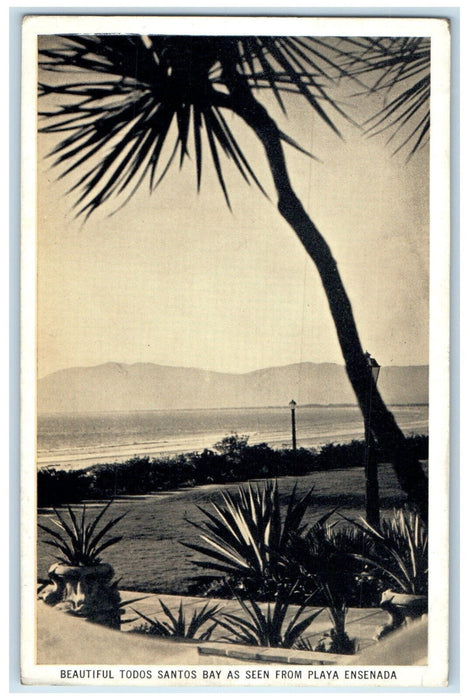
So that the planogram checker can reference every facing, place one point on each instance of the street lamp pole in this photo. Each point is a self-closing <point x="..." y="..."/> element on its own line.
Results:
<point x="371" y="466"/>
<point x="292" y="405"/>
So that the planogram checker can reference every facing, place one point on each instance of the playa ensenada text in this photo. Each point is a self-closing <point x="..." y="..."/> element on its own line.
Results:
<point x="254" y="674"/>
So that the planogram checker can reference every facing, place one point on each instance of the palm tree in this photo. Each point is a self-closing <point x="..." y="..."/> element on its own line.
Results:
<point x="120" y="95"/>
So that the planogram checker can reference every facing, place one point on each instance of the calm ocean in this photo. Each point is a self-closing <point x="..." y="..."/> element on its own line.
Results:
<point x="79" y="440"/>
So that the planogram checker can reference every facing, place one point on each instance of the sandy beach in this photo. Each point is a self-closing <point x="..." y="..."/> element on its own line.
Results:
<point x="311" y="434"/>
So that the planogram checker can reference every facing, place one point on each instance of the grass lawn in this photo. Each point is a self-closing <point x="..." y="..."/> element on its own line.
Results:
<point x="150" y="556"/>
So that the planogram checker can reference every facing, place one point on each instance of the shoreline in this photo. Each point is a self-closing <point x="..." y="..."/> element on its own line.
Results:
<point x="79" y="461"/>
<point x="211" y="409"/>
<point x="175" y="447"/>
<point x="81" y="443"/>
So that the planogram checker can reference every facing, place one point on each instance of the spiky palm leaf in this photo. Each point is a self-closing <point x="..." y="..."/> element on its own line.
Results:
<point x="399" y="69"/>
<point x="340" y="642"/>
<point x="81" y="543"/>
<point x="401" y="550"/>
<point x="247" y="535"/>
<point x="121" y="97"/>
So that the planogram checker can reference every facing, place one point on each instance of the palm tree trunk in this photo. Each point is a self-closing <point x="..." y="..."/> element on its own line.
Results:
<point x="383" y="426"/>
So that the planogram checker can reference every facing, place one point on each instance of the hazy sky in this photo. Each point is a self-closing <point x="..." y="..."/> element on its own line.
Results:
<point x="176" y="278"/>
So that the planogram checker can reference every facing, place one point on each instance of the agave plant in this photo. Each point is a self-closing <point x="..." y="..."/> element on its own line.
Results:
<point x="177" y="626"/>
<point x="81" y="542"/>
<point x="247" y="537"/>
<point x="400" y="556"/>
<point x="270" y="629"/>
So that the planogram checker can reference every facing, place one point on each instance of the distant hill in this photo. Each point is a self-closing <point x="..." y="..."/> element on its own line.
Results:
<point x="145" y="386"/>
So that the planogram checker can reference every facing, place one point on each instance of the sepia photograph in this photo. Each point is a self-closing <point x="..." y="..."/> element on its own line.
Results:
<point x="235" y="380"/>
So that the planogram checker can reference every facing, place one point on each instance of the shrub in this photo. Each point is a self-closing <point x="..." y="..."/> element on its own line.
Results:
<point x="232" y="459"/>
<point x="332" y="456"/>
<point x="211" y="467"/>
<point x="295" y="462"/>
<point x="232" y="445"/>
<point x="130" y="477"/>
<point x="56" y="487"/>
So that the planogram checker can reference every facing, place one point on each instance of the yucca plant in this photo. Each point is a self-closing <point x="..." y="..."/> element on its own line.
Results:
<point x="269" y="629"/>
<point x="400" y="556"/>
<point x="179" y="626"/>
<point x="81" y="542"/>
<point x="247" y="537"/>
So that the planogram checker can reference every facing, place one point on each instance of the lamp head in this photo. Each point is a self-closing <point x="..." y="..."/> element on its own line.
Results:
<point x="373" y="365"/>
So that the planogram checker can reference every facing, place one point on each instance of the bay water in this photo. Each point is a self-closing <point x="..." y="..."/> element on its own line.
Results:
<point x="74" y="440"/>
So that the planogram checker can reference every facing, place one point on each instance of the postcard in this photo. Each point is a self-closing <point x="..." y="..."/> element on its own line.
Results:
<point x="235" y="340"/>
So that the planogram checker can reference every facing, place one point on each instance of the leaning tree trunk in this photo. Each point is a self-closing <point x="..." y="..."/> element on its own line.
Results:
<point x="383" y="426"/>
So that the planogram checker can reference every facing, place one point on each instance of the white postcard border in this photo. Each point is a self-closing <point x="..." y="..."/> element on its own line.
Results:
<point x="436" y="672"/>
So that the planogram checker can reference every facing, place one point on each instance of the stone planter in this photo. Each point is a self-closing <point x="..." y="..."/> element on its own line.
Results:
<point x="84" y="591"/>
<point x="402" y="607"/>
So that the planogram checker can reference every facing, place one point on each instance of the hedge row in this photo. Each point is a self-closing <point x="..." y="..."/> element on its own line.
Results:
<point x="232" y="459"/>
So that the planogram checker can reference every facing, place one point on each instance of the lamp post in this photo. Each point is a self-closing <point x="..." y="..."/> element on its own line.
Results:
<point x="292" y="405"/>
<point x="371" y="466"/>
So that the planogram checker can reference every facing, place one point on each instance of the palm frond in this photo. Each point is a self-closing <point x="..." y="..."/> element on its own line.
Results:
<point x="297" y="626"/>
<point x="118" y="98"/>
<point x="130" y="93"/>
<point x="118" y="95"/>
<point x="399" y="69"/>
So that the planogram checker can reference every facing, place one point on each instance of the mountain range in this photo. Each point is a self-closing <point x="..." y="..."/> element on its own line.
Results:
<point x="145" y="386"/>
